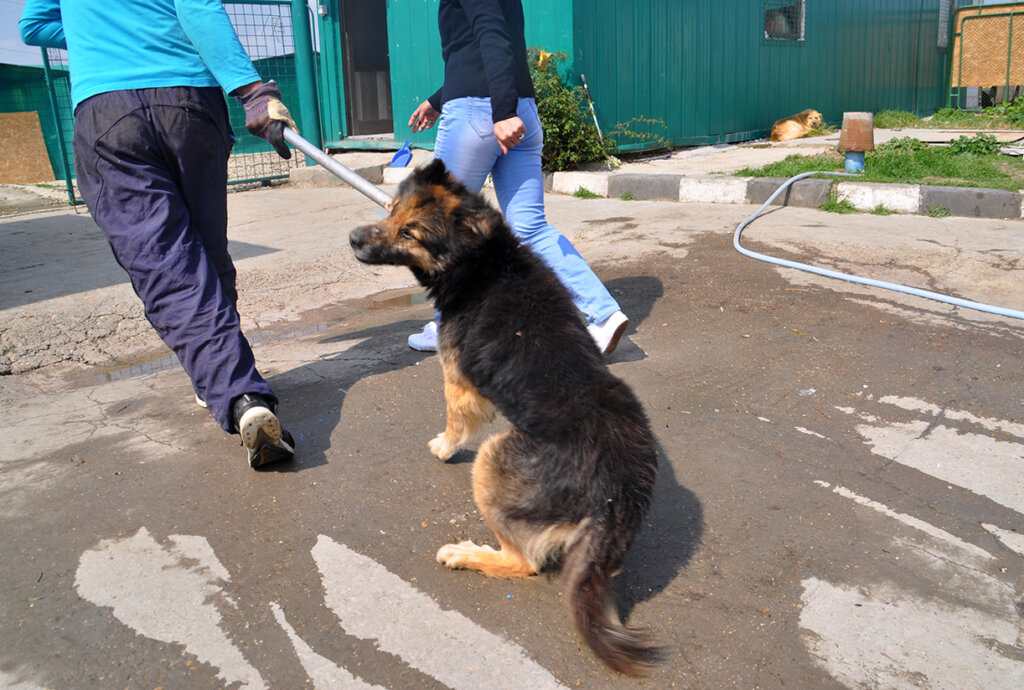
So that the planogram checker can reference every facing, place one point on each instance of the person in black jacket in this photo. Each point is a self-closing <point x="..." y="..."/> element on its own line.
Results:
<point x="489" y="125"/>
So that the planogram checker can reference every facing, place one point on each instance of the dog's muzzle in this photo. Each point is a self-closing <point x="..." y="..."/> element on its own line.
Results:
<point x="360" y="241"/>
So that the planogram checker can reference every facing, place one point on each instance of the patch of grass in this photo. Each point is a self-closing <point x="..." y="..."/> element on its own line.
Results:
<point x="881" y="210"/>
<point x="837" y="205"/>
<point x="938" y="212"/>
<point x="968" y="162"/>
<point x="821" y="131"/>
<point x="627" y="196"/>
<point x="896" y="119"/>
<point x="584" y="193"/>
<point x="1002" y="116"/>
<point x="795" y="164"/>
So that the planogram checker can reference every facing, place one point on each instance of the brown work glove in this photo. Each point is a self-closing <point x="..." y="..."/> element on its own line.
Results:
<point x="266" y="116"/>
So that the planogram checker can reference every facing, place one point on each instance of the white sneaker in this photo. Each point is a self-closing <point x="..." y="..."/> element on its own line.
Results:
<point x="425" y="341"/>
<point x="200" y="402"/>
<point x="607" y="333"/>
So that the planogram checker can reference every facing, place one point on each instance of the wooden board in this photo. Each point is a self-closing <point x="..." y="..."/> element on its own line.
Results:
<point x="25" y="159"/>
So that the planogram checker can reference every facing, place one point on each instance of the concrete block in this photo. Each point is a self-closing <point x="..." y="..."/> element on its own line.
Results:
<point x="316" y="176"/>
<point x="866" y="196"/>
<point x="569" y="182"/>
<point x="972" y="203"/>
<point x="664" y="187"/>
<point x="809" y="193"/>
<point x="722" y="190"/>
<point x="396" y="175"/>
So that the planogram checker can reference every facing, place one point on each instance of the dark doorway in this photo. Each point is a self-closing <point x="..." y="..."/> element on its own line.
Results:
<point x="367" y="67"/>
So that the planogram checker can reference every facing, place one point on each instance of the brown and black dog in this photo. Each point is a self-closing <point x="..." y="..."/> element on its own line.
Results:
<point x="574" y="477"/>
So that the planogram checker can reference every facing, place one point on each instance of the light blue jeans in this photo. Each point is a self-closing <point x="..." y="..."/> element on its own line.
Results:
<point x="465" y="142"/>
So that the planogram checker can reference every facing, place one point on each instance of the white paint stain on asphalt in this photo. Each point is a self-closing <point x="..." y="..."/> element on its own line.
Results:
<point x="1011" y="540"/>
<point x="171" y="593"/>
<point x="926" y="527"/>
<point x="990" y="423"/>
<point x="965" y="630"/>
<point x="325" y="674"/>
<point x="373" y="603"/>
<point x="167" y="594"/>
<point x="883" y="637"/>
<point x="984" y="465"/>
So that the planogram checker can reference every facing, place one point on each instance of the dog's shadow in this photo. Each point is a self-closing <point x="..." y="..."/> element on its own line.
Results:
<point x="674" y="526"/>
<point x="671" y="534"/>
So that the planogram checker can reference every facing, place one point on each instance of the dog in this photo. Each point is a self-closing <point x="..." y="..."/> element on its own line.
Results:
<point x="573" y="478"/>
<point x="795" y="126"/>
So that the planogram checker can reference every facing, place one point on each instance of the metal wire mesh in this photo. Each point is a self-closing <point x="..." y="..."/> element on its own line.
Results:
<point x="989" y="47"/>
<point x="265" y="29"/>
<point x="784" y="20"/>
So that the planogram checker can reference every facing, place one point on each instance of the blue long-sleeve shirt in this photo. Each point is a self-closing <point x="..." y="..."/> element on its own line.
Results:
<point x="137" y="44"/>
<point x="484" y="49"/>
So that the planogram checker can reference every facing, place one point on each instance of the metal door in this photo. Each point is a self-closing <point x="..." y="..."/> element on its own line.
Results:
<point x="366" y="66"/>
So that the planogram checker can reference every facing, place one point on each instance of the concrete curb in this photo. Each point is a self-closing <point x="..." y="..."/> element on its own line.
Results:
<point x="966" y="202"/>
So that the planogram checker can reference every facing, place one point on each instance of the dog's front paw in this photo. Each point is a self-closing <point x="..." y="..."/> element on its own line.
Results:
<point x="457" y="556"/>
<point x="440" y="447"/>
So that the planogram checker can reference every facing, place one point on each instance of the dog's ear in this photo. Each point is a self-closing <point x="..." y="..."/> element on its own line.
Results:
<point x="434" y="172"/>
<point x="477" y="216"/>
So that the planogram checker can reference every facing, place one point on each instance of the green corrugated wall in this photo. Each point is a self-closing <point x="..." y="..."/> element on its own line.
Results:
<point x="416" y="66"/>
<point x="705" y="69"/>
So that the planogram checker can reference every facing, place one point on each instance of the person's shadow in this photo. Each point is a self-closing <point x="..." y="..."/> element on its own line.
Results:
<point x="312" y="396"/>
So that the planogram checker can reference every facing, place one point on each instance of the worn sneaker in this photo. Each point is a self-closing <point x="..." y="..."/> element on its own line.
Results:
<point x="425" y="341"/>
<point x="200" y="402"/>
<point x="607" y="333"/>
<point x="261" y="432"/>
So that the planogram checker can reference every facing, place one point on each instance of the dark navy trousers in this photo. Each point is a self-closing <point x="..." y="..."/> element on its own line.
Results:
<point x="152" y="168"/>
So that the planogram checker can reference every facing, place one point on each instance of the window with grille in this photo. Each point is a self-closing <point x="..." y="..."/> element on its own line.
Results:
<point x="784" y="20"/>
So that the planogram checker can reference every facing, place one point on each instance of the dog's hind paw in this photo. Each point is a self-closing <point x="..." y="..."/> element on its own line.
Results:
<point x="456" y="556"/>
<point x="440" y="447"/>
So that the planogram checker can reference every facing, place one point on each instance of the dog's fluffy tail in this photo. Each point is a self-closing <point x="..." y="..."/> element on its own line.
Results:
<point x="587" y="569"/>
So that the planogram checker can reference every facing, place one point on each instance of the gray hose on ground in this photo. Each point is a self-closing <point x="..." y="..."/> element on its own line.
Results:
<point x="956" y="301"/>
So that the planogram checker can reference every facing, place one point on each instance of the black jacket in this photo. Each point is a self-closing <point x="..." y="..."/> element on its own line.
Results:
<point x="484" y="51"/>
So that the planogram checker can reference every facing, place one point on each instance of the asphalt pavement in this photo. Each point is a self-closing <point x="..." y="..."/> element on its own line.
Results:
<point x="840" y="500"/>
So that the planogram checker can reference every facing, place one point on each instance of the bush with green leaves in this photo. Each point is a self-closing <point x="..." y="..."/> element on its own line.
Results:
<point x="570" y="138"/>
<point x="978" y="145"/>
<point x="1012" y="111"/>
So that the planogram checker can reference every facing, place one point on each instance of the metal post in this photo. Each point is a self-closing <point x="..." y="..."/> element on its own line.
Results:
<point x="60" y="130"/>
<point x="305" y="73"/>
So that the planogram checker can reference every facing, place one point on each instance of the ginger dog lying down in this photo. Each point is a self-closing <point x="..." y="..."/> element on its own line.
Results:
<point x="574" y="477"/>
<point x="795" y="126"/>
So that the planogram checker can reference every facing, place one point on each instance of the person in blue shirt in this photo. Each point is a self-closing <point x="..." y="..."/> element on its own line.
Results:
<point x="151" y="145"/>
<point x="489" y="125"/>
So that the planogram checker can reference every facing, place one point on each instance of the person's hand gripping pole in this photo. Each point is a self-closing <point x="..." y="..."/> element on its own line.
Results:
<point x="266" y="115"/>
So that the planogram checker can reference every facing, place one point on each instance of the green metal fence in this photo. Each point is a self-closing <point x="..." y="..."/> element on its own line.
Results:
<point x="265" y="28"/>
